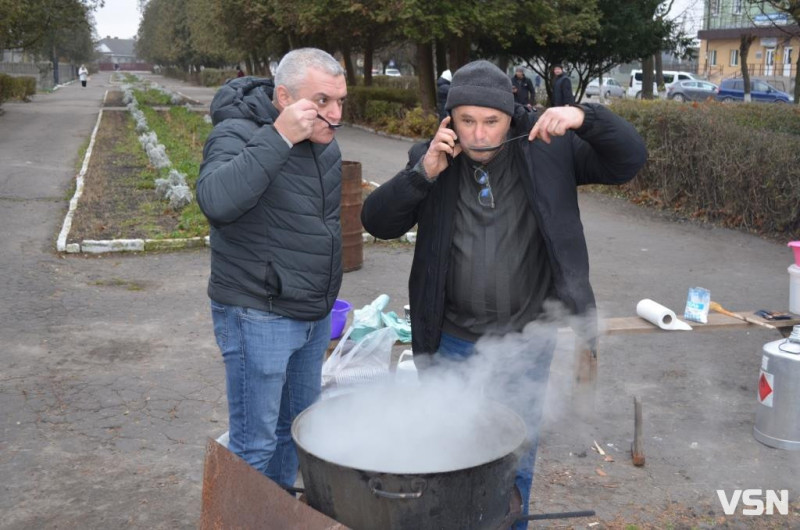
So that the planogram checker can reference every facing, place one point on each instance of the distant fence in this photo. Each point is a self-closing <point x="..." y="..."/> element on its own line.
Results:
<point x="126" y="67"/>
<point x="43" y="72"/>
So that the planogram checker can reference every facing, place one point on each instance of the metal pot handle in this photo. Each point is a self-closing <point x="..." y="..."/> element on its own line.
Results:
<point x="417" y="484"/>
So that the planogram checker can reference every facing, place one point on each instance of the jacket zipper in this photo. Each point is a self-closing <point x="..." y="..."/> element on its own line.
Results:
<point x="325" y="224"/>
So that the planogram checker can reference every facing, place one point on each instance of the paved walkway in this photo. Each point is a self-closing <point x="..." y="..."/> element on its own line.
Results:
<point x="111" y="381"/>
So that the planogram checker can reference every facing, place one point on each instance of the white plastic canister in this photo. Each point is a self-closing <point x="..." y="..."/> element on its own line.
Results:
<point x="406" y="369"/>
<point x="794" y="289"/>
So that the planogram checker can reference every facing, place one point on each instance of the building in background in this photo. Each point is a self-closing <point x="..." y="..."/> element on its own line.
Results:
<point x="118" y="54"/>
<point x="772" y="55"/>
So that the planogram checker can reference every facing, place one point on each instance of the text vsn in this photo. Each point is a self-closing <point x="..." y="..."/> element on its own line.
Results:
<point x="752" y="499"/>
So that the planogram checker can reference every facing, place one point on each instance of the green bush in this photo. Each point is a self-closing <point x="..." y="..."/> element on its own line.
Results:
<point x="355" y="107"/>
<point x="405" y="82"/>
<point x="379" y="112"/>
<point x="215" y="76"/>
<point x="415" y="123"/>
<point x="733" y="164"/>
<point x="21" y="88"/>
<point x="151" y="97"/>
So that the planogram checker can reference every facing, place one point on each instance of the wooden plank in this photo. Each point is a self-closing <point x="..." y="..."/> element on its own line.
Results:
<point x="716" y="321"/>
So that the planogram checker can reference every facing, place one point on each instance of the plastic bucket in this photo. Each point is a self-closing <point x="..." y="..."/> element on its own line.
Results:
<point x="795" y="245"/>
<point x="339" y="317"/>
<point x="794" y="289"/>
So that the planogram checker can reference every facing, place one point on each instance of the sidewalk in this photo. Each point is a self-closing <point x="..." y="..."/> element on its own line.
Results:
<point x="111" y="379"/>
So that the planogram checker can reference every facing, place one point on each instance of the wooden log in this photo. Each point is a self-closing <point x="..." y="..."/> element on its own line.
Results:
<point x="637" y="447"/>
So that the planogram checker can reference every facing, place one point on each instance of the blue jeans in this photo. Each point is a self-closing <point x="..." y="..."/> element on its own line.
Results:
<point x="511" y="387"/>
<point x="273" y="371"/>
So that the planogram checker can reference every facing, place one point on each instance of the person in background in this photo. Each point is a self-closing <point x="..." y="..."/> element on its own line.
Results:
<point x="522" y="88"/>
<point x="442" y="88"/>
<point x="474" y="198"/>
<point x="270" y="186"/>
<point x="562" y="88"/>
<point x="239" y="72"/>
<point x="83" y="75"/>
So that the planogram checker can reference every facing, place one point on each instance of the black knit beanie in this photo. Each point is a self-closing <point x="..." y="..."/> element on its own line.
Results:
<point x="482" y="84"/>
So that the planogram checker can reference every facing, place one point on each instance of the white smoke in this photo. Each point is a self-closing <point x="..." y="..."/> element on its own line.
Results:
<point x="462" y="414"/>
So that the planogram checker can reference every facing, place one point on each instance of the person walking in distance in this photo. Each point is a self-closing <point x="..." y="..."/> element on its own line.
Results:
<point x="442" y="88"/>
<point x="270" y="186"/>
<point x="562" y="88"/>
<point x="83" y="75"/>
<point x="523" y="90"/>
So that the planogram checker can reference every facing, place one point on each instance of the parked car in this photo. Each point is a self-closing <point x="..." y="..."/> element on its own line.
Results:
<point x="670" y="77"/>
<point x="692" y="90"/>
<point x="760" y="91"/>
<point x="611" y="88"/>
<point x="393" y="72"/>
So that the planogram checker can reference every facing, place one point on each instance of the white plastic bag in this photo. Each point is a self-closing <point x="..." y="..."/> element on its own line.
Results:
<point x="367" y="361"/>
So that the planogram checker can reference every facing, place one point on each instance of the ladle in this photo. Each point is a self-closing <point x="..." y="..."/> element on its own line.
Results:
<point x="498" y="146"/>
<point x="330" y="125"/>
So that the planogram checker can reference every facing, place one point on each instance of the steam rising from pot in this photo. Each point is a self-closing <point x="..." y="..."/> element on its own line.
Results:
<point x="463" y="414"/>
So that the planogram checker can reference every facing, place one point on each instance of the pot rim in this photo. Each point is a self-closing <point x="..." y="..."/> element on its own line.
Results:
<point x="518" y="446"/>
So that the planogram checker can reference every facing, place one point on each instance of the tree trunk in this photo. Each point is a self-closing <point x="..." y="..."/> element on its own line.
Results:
<point x="349" y="67"/>
<point x="744" y="50"/>
<point x="647" y="77"/>
<point x="55" y="67"/>
<point x="502" y="63"/>
<point x="458" y="52"/>
<point x="427" y="84"/>
<point x="660" y="73"/>
<point x="441" y="57"/>
<point x="797" y="82"/>
<point x="369" y="49"/>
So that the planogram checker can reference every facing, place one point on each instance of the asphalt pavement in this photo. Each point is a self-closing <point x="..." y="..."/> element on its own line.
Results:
<point x="111" y="380"/>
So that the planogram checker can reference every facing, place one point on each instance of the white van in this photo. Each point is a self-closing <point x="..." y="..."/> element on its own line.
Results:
<point x="670" y="77"/>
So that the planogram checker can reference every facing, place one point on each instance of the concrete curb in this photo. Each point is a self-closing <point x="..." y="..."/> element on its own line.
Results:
<point x="61" y="242"/>
<point x="92" y="246"/>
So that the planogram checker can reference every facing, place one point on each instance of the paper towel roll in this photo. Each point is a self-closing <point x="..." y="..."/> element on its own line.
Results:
<point x="659" y="315"/>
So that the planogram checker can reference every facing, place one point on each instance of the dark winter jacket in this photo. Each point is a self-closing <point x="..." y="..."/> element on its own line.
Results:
<point x="525" y="93"/>
<point x="562" y="91"/>
<point x="442" y="88"/>
<point x="273" y="210"/>
<point x="606" y="149"/>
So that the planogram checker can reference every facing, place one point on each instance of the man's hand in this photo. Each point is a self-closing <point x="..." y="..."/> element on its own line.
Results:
<point x="296" y="122"/>
<point x="556" y="121"/>
<point x="443" y="144"/>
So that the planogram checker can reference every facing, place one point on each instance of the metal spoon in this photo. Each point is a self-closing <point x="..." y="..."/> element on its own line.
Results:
<point x="330" y="125"/>
<point x="498" y="146"/>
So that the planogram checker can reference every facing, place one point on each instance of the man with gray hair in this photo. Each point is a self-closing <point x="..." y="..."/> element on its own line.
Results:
<point x="270" y="186"/>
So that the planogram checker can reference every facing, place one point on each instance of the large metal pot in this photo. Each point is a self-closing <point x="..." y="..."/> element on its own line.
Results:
<point x="380" y="492"/>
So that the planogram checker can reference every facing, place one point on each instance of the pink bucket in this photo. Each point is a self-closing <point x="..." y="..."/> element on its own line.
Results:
<point x="796" y="248"/>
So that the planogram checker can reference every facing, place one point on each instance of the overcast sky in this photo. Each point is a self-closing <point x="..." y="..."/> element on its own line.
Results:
<point x="691" y="11"/>
<point x="119" y="18"/>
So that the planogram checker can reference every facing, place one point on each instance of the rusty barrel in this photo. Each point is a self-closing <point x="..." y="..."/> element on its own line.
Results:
<point x="352" y="242"/>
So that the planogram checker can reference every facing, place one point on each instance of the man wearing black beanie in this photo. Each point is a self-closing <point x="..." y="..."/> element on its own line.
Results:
<point x="499" y="235"/>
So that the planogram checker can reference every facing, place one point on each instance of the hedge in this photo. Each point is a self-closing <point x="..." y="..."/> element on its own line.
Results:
<point x="212" y="77"/>
<point x="732" y="164"/>
<point x="21" y="88"/>
<point x="357" y="110"/>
